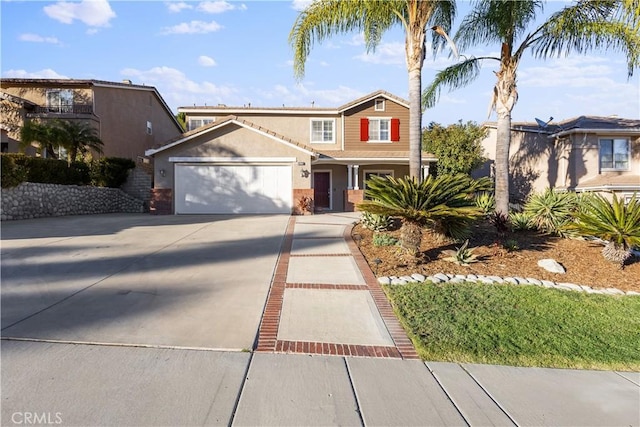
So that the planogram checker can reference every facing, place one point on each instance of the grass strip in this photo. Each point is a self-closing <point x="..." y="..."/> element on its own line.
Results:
<point x="520" y="325"/>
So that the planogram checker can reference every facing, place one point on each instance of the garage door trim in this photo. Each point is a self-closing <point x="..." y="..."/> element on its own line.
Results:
<point x="232" y="159"/>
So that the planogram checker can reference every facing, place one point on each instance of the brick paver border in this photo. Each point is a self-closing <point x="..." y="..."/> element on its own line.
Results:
<point x="268" y="331"/>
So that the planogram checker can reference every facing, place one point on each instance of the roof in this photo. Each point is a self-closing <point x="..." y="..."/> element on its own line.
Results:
<point x="608" y="181"/>
<point x="327" y="155"/>
<point x="225" y="121"/>
<point x="581" y="124"/>
<point x="126" y="84"/>
<point x="224" y="109"/>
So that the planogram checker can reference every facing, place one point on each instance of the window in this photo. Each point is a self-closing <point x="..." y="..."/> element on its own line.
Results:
<point x="149" y="128"/>
<point x="5" y="147"/>
<point x="60" y="101"/>
<point x="322" y="131"/>
<point x="614" y="154"/>
<point x="201" y="121"/>
<point x="377" y="129"/>
<point x="379" y="105"/>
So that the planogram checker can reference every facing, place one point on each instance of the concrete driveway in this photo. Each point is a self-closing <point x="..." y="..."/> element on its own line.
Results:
<point x="177" y="281"/>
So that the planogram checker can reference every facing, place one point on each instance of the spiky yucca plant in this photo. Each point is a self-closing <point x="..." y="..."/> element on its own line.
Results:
<point x="520" y="221"/>
<point x="462" y="255"/>
<point x="551" y="211"/>
<point x="375" y="222"/>
<point x="613" y="221"/>
<point x="444" y="203"/>
<point x="486" y="202"/>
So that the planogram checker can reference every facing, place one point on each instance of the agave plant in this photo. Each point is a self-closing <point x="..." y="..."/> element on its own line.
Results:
<point x="520" y="221"/>
<point x="444" y="203"/>
<point x="462" y="255"/>
<point x="375" y="222"/>
<point x="551" y="211"/>
<point x="612" y="221"/>
<point x="486" y="201"/>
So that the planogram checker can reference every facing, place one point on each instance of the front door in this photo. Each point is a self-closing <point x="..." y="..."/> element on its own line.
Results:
<point x="322" y="190"/>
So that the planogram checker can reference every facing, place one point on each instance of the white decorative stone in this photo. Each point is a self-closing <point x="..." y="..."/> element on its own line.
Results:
<point x="442" y="277"/>
<point x="460" y="276"/>
<point x="408" y="279"/>
<point x="486" y="280"/>
<point x="511" y="280"/>
<point x="456" y="280"/>
<point x="496" y="279"/>
<point x="614" y="291"/>
<point x="633" y="293"/>
<point x="521" y="280"/>
<point x="571" y="286"/>
<point x="419" y="277"/>
<point x="551" y="265"/>
<point x="472" y="277"/>
<point x="434" y="280"/>
<point x="398" y="282"/>
<point x="548" y="284"/>
<point x="384" y="280"/>
<point x="533" y="281"/>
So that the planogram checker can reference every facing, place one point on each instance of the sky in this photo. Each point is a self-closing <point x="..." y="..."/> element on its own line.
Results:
<point x="237" y="53"/>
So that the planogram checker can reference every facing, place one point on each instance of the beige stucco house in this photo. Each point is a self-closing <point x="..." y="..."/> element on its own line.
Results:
<point x="587" y="153"/>
<point x="129" y="118"/>
<point x="266" y="160"/>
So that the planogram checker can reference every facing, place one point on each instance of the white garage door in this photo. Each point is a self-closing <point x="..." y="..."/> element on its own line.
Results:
<point x="242" y="189"/>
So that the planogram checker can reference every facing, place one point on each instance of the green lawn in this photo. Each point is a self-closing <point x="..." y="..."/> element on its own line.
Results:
<point x="520" y="325"/>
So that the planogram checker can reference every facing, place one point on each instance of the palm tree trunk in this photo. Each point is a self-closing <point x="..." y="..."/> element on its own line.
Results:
<point x="415" y="124"/>
<point x="505" y="99"/>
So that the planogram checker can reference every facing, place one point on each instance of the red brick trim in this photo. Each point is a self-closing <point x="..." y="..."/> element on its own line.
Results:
<point x="333" y="349"/>
<point x="326" y="286"/>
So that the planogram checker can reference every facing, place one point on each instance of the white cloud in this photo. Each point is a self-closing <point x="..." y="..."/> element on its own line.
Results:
<point x="300" y="5"/>
<point x="216" y="6"/>
<point x="301" y="95"/>
<point x="30" y="37"/>
<point x="47" y="73"/>
<point x="177" y="89"/>
<point x="567" y="72"/>
<point x="176" y="7"/>
<point x="386" y="53"/>
<point x="206" y="61"/>
<point x="193" y="27"/>
<point x="94" y="13"/>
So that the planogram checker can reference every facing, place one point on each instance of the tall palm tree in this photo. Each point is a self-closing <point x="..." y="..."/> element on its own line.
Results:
<point x="324" y="18"/>
<point x="581" y="27"/>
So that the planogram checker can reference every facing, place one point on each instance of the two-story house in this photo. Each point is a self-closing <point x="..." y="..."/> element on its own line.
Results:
<point x="265" y="160"/>
<point x="587" y="153"/>
<point x="129" y="118"/>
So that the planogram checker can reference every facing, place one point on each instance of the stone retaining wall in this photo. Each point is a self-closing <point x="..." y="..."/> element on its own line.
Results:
<point x="32" y="200"/>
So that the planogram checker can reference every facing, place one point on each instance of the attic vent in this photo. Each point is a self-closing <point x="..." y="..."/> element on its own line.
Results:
<point x="126" y="81"/>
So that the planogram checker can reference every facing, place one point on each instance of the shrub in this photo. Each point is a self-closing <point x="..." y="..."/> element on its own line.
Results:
<point x="486" y="202"/>
<point x="12" y="173"/>
<point x="500" y="221"/>
<point x="551" y="211"/>
<point x="614" y="222"/>
<point x="462" y="255"/>
<point x="376" y="222"/>
<point x="520" y="221"/>
<point x="111" y="171"/>
<point x="382" y="239"/>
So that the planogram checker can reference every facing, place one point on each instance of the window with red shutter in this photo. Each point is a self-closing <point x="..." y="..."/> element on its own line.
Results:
<point x="364" y="129"/>
<point x="395" y="130"/>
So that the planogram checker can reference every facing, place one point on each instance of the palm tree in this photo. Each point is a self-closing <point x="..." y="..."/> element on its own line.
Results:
<point x="44" y="136"/>
<point x="324" y="18"/>
<point x="445" y="203"/>
<point x="612" y="221"/>
<point x="77" y="137"/>
<point x="584" y="26"/>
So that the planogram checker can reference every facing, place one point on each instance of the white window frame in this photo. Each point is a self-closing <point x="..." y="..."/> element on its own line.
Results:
<point x="333" y="130"/>
<point x="379" y="104"/>
<point x="149" y="128"/>
<point x="379" y="172"/>
<point x="379" y="120"/>
<point x="202" y="120"/>
<point x="628" y="197"/>
<point x="614" y="168"/>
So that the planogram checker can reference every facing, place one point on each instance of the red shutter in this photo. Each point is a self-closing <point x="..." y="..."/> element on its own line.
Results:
<point x="395" y="130"/>
<point x="364" y="129"/>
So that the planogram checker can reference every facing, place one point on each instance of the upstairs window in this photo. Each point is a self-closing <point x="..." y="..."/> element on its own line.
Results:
<point x="60" y="101"/>
<point x="376" y="129"/>
<point x="200" y="121"/>
<point x="379" y="105"/>
<point x="614" y="154"/>
<point x="322" y="131"/>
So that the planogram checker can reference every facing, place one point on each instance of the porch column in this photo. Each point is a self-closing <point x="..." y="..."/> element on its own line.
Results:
<point x="349" y="177"/>
<point x="355" y="177"/>
<point x="425" y="171"/>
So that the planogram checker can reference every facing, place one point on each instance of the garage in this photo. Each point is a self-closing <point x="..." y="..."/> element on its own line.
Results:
<point x="233" y="189"/>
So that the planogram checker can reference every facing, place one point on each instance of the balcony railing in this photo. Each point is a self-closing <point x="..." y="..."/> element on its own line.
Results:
<point x="64" y="109"/>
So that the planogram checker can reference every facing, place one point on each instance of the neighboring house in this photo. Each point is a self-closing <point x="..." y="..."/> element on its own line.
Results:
<point x="266" y="160"/>
<point x="600" y="154"/>
<point x="129" y="118"/>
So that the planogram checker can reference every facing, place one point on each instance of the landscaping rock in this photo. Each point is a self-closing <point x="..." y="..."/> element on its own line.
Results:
<point x="534" y="281"/>
<point x="408" y="279"/>
<point x="442" y="277"/>
<point x="419" y="277"/>
<point x="551" y="265"/>
<point x="384" y="280"/>
<point x="398" y="281"/>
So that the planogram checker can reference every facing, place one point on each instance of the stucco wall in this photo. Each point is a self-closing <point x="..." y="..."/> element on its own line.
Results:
<point x="31" y="200"/>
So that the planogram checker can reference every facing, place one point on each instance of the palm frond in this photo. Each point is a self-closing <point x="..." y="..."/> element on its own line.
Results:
<point x="453" y="77"/>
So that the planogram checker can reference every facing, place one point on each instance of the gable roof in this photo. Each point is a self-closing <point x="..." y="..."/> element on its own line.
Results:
<point x="224" y="109"/>
<point x="226" y="121"/>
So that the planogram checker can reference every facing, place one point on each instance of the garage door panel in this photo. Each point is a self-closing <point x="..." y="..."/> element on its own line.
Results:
<point x="233" y="189"/>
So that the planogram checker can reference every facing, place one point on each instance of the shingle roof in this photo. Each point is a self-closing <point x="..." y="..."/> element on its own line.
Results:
<point x="338" y="154"/>
<point x="611" y="180"/>
<point x="577" y="123"/>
